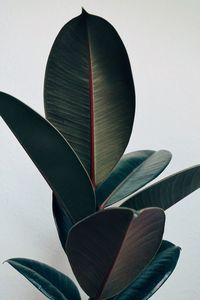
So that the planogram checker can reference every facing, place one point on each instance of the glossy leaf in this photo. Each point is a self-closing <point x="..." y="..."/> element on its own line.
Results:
<point x="154" y="275"/>
<point x="52" y="283"/>
<point x="52" y="155"/>
<point x="89" y="92"/>
<point x="124" y="167"/>
<point x="167" y="191"/>
<point x="62" y="220"/>
<point x="144" y="173"/>
<point x="109" y="249"/>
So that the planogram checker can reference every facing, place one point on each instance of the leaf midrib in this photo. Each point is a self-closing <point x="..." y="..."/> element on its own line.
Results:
<point x="91" y="94"/>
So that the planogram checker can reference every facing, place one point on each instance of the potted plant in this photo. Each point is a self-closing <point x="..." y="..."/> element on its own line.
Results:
<point x="115" y="252"/>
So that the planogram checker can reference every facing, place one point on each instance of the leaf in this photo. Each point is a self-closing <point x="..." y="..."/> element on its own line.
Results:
<point x="144" y="173"/>
<point x="124" y="167"/>
<point x="52" y="155"/>
<point x="109" y="249"/>
<point x="52" y="283"/>
<point x="62" y="221"/>
<point x="154" y="275"/>
<point x="167" y="191"/>
<point x="89" y="93"/>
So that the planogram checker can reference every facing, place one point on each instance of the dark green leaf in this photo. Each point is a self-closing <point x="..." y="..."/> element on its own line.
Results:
<point x="167" y="191"/>
<point x="154" y="275"/>
<point x="144" y="173"/>
<point x="89" y="92"/>
<point x="124" y="167"/>
<point x="62" y="220"/>
<point x="109" y="249"/>
<point x="52" y="283"/>
<point x="53" y="156"/>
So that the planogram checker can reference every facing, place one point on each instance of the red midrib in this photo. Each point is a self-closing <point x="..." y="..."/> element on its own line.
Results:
<point x="92" y="150"/>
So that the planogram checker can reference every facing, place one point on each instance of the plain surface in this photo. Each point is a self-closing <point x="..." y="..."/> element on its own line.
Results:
<point x="162" y="40"/>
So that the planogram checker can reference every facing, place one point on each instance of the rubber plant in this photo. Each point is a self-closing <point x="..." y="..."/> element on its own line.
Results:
<point x="115" y="252"/>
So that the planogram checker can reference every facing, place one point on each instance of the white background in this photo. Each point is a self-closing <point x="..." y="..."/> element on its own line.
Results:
<point x="163" y="42"/>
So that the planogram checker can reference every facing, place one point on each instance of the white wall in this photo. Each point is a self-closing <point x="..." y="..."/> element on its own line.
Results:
<point x="162" y="39"/>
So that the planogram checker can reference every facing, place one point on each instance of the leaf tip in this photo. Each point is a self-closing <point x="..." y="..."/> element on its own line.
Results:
<point x="167" y="153"/>
<point x="84" y="12"/>
<point x="6" y="261"/>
